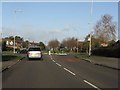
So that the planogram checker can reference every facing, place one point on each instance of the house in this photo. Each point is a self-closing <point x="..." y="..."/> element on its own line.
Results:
<point x="104" y="44"/>
<point x="10" y="43"/>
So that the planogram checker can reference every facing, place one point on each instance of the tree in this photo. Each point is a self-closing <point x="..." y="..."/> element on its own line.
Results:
<point x="70" y="43"/>
<point x="42" y="45"/>
<point x="105" y="29"/>
<point x="18" y="39"/>
<point x="11" y="38"/>
<point x="54" y="44"/>
<point x="62" y="47"/>
<point x="86" y="43"/>
<point x="25" y="44"/>
<point x="4" y="48"/>
<point x="111" y="43"/>
<point x="95" y="42"/>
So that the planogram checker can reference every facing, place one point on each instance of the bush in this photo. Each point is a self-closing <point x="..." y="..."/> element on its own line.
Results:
<point x="9" y="49"/>
<point x="107" y="52"/>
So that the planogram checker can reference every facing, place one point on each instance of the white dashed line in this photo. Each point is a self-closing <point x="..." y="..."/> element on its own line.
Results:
<point x="53" y="60"/>
<point x="51" y="57"/>
<point x="91" y="84"/>
<point x="69" y="71"/>
<point x="58" y="64"/>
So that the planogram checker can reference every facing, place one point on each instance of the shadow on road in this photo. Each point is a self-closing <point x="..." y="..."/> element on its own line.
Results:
<point x="34" y="59"/>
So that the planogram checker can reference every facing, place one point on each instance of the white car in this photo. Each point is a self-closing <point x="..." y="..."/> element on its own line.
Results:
<point x="34" y="52"/>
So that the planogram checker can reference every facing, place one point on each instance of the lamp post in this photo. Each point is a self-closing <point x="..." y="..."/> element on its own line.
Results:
<point x="15" y="11"/>
<point x="90" y="43"/>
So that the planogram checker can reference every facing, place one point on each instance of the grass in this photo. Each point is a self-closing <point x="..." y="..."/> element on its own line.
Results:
<point x="8" y="55"/>
<point x="80" y="55"/>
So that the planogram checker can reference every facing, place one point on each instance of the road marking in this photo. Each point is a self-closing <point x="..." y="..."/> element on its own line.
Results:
<point x="69" y="71"/>
<point x="51" y="57"/>
<point x="53" y="60"/>
<point x="58" y="64"/>
<point x="91" y="84"/>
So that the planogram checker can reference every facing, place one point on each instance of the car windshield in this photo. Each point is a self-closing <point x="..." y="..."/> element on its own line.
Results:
<point x="34" y="49"/>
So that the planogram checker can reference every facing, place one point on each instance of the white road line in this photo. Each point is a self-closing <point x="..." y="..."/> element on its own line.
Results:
<point x="53" y="60"/>
<point x="69" y="71"/>
<point x="58" y="64"/>
<point x="91" y="84"/>
<point x="51" y="57"/>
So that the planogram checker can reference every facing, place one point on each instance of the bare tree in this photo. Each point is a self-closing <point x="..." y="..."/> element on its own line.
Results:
<point x="53" y="44"/>
<point x="70" y="43"/>
<point x="105" y="29"/>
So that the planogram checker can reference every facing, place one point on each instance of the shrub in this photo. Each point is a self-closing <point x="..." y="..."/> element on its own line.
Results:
<point x="107" y="52"/>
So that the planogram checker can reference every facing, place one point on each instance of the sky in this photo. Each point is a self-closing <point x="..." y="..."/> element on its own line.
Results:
<point x="119" y="21"/>
<point x="44" y="21"/>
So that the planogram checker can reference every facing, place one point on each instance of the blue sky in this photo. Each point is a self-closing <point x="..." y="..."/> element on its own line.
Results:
<point x="43" y="21"/>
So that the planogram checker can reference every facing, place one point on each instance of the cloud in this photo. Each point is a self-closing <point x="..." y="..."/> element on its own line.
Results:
<point x="69" y="28"/>
<point x="37" y="34"/>
<point x="56" y="31"/>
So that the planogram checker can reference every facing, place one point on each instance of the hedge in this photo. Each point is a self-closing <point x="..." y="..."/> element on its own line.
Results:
<point x="107" y="52"/>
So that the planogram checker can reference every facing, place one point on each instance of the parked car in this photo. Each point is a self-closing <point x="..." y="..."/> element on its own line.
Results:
<point x="34" y="53"/>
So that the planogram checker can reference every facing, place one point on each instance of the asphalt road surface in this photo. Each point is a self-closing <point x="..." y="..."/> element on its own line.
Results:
<point x="59" y="72"/>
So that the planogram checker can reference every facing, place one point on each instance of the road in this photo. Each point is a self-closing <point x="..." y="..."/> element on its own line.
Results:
<point x="59" y="72"/>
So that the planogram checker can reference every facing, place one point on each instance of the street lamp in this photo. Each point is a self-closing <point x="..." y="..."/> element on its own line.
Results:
<point x="90" y="27"/>
<point x="15" y="11"/>
<point x="90" y="43"/>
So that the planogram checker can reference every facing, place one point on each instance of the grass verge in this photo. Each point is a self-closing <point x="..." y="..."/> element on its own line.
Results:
<point x="80" y="55"/>
<point x="7" y="56"/>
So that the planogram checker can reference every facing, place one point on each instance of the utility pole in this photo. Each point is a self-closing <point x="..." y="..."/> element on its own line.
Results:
<point x="15" y="11"/>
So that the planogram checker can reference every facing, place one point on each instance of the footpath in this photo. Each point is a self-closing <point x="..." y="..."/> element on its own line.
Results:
<point x="104" y="61"/>
<point x="109" y="62"/>
<point x="6" y="63"/>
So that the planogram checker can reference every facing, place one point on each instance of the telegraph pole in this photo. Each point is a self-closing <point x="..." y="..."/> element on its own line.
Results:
<point x="15" y="11"/>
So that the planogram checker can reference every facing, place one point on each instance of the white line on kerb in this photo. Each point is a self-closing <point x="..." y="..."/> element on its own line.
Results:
<point x="53" y="60"/>
<point x="58" y="64"/>
<point x="91" y="84"/>
<point x="69" y="71"/>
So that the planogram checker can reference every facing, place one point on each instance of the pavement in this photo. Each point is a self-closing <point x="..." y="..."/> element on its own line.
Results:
<point x="104" y="61"/>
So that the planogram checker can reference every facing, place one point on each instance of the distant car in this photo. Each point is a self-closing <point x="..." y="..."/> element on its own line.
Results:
<point x="34" y="53"/>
